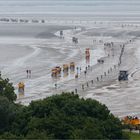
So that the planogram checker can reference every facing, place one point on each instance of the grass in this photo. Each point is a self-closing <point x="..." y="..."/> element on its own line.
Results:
<point x="133" y="136"/>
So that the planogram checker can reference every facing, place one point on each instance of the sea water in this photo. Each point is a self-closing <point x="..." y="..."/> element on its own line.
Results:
<point x="118" y="10"/>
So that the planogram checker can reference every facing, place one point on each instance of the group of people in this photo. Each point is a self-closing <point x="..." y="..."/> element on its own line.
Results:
<point x="109" y="44"/>
<point x="79" y="69"/>
<point x="86" y="69"/>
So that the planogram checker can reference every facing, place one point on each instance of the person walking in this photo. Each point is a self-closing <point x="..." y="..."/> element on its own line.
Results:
<point x="85" y="72"/>
<point x="30" y="73"/>
<point x="27" y="73"/>
<point x="83" y="87"/>
<point x="76" y="90"/>
<point x="55" y="85"/>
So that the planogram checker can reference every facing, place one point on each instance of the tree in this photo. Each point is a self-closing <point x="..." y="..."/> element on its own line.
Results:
<point x="7" y="114"/>
<point x="67" y="116"/>
<point x="64" y="116"/>
<point x="7" y="90"/>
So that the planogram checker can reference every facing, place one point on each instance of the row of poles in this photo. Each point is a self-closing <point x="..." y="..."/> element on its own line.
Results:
<point x="98" y="78"/>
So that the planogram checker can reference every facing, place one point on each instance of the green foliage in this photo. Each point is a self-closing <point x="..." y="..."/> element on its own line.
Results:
<point x="67" y="116"/>
<point x="64" y="116"/>
<point x="7" y="90"/>
<point x="132" y="136"/>
<point x="7" y="113"/>
<point x="8" y="135"/>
